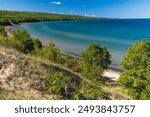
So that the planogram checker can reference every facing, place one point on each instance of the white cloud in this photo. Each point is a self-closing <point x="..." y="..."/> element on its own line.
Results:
<point x="89" y="15"/>
<point x="53" y="12"/>
<point x="55" y="2"/>
<point x="71" y="12"/>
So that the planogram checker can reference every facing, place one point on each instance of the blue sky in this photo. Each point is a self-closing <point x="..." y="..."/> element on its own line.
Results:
<point x="95" y="8"/>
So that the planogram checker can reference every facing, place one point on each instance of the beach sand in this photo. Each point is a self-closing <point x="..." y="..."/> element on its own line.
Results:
<point x="111" y="75"/>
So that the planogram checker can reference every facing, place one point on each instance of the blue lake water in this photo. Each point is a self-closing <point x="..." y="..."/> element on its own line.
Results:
<point x="74" y="36"/>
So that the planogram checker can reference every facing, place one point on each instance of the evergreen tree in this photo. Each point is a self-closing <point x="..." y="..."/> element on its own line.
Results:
<point x="136" y="78"/>
<point x="23" y="37"/>
<point x="94" y="60"/>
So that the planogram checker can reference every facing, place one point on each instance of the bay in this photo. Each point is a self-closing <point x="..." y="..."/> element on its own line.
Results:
<point x="74" y="36"/>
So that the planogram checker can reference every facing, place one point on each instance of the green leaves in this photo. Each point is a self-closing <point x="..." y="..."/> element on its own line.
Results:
<point x="137" y="56"/>
<point x="136" y="78"/>
<point x="94" y="60"/>
<point x="96" y="55"/>
<point x="23" y="37"/>
<point x="55" y="83"/>
<point x="92" y="91"/>
<point x="51" y="52"/>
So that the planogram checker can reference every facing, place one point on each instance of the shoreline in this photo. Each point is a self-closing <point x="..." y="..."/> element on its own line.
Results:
<point x="112" y="73"/>
<point x="7" y="30"/>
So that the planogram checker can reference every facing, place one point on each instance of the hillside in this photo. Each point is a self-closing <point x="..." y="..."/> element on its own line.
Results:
<point x="23" y="77"/>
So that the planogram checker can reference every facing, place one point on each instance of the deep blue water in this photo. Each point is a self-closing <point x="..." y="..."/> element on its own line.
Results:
<point x="74" y="36"/>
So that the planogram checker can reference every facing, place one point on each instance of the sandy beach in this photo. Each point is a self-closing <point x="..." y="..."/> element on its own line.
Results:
<point x="113" y="73"/>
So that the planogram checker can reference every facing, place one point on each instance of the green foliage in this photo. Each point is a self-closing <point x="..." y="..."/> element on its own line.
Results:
<point x="18" y="17"/>
<point x="136" y="78"/>
<point x="10" y="43"/>
<point x="51" y="52"/>
<point x="56" y="83"/>
<point x="137" y="56"/>
<point x="23" y="37"/>
<point x="71" y="63"/>
<point x="37" y="48"/>
<point x="2" y="32"/>
<point x="94" y="60"/>
<point x="92" y="91"/>
<point x="15" y="17"/>
<point x="37" y="44"/>
<point x="21" y="41"/>
<point x="60" y="84"/>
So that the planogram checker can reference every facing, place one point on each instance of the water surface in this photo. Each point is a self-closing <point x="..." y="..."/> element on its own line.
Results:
<point x="74" y="36"/>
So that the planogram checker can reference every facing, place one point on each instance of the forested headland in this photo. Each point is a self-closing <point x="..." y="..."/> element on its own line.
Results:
<point x="15" y="17"/>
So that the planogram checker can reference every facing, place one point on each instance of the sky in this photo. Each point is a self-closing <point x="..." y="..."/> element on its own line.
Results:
<point x="93" y="8"/>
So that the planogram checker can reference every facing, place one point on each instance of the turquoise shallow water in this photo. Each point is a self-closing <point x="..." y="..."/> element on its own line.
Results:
<point x="74" y="36"/>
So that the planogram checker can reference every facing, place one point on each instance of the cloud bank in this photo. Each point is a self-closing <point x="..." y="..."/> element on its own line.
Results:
<point x="55" y="3"/>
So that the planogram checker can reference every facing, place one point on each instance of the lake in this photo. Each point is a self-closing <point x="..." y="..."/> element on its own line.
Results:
<point x="74" y="36"/>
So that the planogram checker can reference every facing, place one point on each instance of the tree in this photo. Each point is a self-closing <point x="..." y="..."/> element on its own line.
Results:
<point x="94" y="60"/>
<point x="37" y="44"/>
<point x="137" y="56"/>
<point x="51" y="52"/>
<point x="23" y="37"/>
<point x="136" y="63"/>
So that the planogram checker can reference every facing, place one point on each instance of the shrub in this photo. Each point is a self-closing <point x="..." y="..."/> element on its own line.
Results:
<point x="51" y="52"/>
<point x="94" y="60"/>
<point x="23" y="37"/>
<point x="37" y="44"/>
<point x="92" y="91"/>
<point x="136" y="78"/>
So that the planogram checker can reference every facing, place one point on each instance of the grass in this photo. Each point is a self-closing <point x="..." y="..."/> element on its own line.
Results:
<point x="114" y="91"/>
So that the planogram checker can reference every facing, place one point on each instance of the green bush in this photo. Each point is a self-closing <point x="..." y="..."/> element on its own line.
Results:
<point x="55" y="83"/>
<point x="23" y="37"/>
<point x="71" y="63"/>
<point x="37" y="44"/>
<point x="136" y="78"/>
<point x="92" y="91"/>
<point x="10" y="43"/>
<point x="94" y="60"/>
<point x="51" y="52"/>
<point x="2" y="32"/>
<point x="58" y="83"/>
